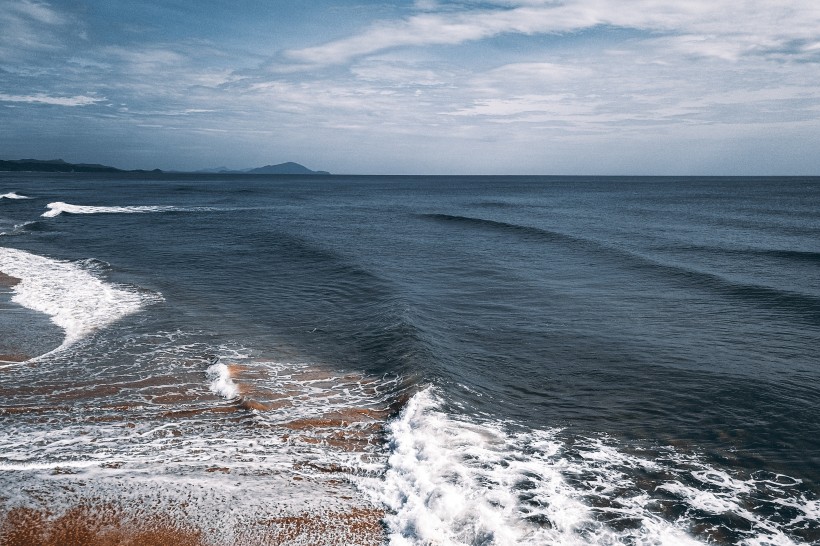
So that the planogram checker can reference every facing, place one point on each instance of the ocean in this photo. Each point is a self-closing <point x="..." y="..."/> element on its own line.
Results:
<point x="240" y="360"/>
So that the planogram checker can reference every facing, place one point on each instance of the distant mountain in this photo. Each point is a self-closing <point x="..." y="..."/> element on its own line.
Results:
<point x="284" y="168"/>
<point x="58" y="166"/>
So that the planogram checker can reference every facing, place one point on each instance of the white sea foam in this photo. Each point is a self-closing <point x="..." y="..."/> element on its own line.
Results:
<point x="76" y="300"/>
<point x="237" y="476"/>
<point x="13" y="195"/>
<point x="7" y="467"/>
<point x="59" y="207"/>
<point x="221" y="382"/>
<point x="452" y="481"/>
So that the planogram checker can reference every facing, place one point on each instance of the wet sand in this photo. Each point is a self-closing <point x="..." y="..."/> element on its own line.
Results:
<point x="7" y="281"/>
<point x="319" y="505"/>
<point x="91" y="526"/>
<point x="110" y="525"/>
<point x="14" y="357"/>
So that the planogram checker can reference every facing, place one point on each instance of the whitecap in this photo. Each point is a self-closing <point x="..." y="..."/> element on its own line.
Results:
<point x="452" y="482"/>
<point x="58" y="207"/>
<point x="13" y="195"/>
<point x="221" y="382"/>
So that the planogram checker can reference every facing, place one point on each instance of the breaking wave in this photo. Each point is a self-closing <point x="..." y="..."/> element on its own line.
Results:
<point x="58" y="207"/>
<point x="76" y="300"/>
<point x="13" y="195"/>
<point x="452" y="481"/>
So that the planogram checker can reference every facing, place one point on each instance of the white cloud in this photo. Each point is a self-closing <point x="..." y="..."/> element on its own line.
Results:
<point x="401" y="74"/>
<point x="718" y="27"/>
<point x="597" y="94"/>
<point x="40" y="98"/>
<point x="37" y="11"/>
<point x="693" y="71"/>
<point x="28" y="26"/>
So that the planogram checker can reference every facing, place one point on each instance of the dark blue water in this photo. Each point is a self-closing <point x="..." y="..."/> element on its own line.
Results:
<point x="669" y="321"/>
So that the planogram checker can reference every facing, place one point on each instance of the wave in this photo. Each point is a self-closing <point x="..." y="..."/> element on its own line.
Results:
<point x="781" y="254"/>
<point x="76" y="300"/>
<point x="796" y="303"/>
<point x="26" y="227"/>
<point x="452" y="481"/>
<point x="13" y="195"/>
<point x="221" y="382"/>
<point x="506" y="226"/>
<point x="290" y="394"/>
<point x="805" y="256"/>
<point x="58" y="207"/>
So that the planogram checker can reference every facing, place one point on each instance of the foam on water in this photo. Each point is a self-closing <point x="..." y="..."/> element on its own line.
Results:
<point x="59" y="207"/>
<point x="221" y="383"/>
<point x="453" y="481"/>
<point x="76" y="300"/>
<point x="13" y="195"/>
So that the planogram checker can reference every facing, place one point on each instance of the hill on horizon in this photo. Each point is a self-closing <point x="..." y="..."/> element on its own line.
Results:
<point x="58" y="166"/>
<point x="288" y="167"/>
<point x="62" y="166"/>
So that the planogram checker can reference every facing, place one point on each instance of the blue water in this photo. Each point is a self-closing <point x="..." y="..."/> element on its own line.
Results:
<point x="660" y="334"/>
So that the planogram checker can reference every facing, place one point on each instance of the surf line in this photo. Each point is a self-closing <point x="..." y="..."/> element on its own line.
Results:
<point x="58" y="207"/>
<point x="13" y="195"/>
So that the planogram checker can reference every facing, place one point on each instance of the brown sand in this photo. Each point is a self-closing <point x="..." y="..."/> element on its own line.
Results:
<point x="92" y="526"/>
<point x="358" y="526"/>
<point x="14" y="357"/>
<point x="107" y="525"/>
<point x="7" y="281"/>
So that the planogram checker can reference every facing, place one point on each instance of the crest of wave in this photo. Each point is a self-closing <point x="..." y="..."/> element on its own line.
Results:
<point x="58" y="207"/>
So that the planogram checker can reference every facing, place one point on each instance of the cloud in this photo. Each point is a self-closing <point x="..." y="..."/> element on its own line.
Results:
<point x="28" y="26"/>
<point x="715" y="28"/>
<point x="40" y="98"/>
<point x="37" y="11"/>
<point x="631" y="92"/>
<point x="402" y="74"/>
<point x="517" y="76"/>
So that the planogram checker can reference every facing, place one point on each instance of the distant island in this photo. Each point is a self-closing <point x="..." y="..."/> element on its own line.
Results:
<point x="61" y="166"/>
<point x="282" y="168"/>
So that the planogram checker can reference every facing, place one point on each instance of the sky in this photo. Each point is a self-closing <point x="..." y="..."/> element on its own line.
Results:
<point x="610" y="87"/>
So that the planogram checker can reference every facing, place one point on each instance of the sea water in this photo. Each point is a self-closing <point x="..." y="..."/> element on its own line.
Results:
<point x="409" y="360"/>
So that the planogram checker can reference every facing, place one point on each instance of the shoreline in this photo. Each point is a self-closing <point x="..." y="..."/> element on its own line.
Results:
<point x="292" y="481"/>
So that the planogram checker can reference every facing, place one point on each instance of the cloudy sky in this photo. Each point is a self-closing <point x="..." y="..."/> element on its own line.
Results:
<point x="360" y="86"/>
